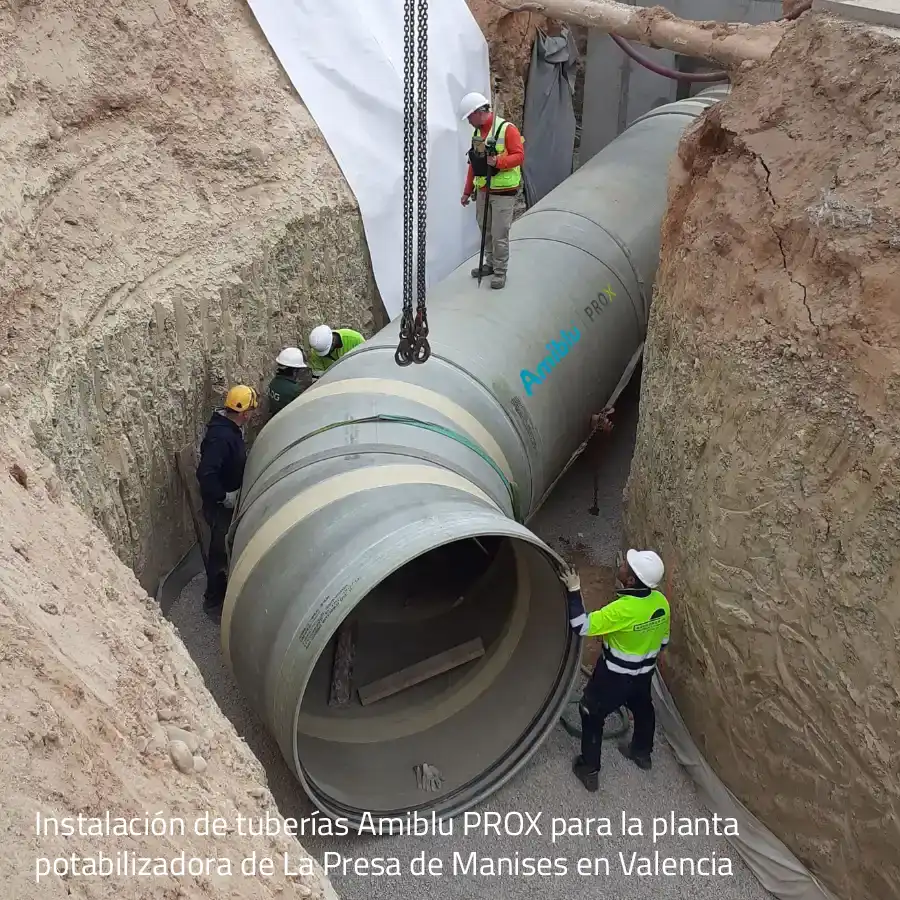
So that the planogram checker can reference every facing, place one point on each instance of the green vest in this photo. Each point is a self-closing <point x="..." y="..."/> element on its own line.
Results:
<point x="349" y="340"/>
<point x="505" y="179"/>
<point x="634" y="631"/>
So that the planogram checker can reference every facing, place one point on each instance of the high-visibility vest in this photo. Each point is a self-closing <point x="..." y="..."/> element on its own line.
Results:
<point x="505" y="179"/>
<point x="634" y="631"/>
<point x="349" y="340"/>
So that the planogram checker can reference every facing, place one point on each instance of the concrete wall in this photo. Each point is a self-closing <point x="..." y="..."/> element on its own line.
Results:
<point x="618" y="90"/>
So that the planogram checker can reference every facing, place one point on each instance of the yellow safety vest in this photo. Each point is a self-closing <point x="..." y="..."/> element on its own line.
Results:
<point x="634" y="630"/>
<point x="505" y="179"/>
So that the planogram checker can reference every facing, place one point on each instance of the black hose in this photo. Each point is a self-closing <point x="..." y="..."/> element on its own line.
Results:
<point x="610" y="732"/>
<point x="689" y="77"/>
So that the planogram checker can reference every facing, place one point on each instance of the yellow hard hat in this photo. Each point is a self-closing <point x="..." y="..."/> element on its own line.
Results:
<point x="241" y="398"/>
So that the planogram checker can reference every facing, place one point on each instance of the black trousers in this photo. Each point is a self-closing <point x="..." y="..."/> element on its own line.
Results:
<point x="605" y="692"/>
<point x="219" y="520"/>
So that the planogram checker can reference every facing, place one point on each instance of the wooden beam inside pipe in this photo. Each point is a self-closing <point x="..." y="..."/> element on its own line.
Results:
<point x="421" y="671"/>
<point x="342" y="668"/>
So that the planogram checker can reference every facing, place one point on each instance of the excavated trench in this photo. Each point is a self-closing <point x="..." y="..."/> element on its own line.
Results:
<point x="350" y="491"/>
<point x="463" y="447"/>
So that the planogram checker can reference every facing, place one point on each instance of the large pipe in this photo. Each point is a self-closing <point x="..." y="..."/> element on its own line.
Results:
<point x="395" y="498"/>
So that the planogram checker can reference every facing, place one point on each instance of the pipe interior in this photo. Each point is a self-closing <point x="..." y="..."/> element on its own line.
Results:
<point x="471" y="722"/>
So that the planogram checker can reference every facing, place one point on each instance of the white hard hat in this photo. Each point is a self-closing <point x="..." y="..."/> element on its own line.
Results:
<point x="647" y="566"/>
<point x="291" y="358"/>
<point x="321" y="339"/>
<point x="470" y="103"/>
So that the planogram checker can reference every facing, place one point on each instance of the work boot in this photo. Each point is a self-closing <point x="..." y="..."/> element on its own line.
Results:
<point x="483" y="272"/>
<point x="498" y="281"/>
<point x="590" y="778"/>
<point x="642" y="762"/>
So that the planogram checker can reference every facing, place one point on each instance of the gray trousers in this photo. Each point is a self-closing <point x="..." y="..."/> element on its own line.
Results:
<point x="499" y="221"/>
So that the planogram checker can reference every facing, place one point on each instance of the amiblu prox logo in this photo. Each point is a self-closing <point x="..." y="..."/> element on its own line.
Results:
<point x="558" y="350"/>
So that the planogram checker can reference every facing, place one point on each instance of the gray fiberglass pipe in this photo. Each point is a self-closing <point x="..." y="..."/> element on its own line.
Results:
<point x="394" y="498"/>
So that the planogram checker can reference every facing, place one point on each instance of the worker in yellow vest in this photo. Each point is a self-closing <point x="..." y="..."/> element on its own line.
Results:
<point x="498" y="148"/>
<point x="328" y="345"/>
<point x="635" y="629"/>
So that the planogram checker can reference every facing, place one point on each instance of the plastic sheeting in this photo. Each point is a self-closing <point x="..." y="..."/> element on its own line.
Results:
<point x="773" y="864"/>
<point x="549" y="117"/>
<point x="345" y="58"/>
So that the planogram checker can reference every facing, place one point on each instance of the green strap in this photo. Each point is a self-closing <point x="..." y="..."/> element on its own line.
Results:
<point x="511" y="487"/>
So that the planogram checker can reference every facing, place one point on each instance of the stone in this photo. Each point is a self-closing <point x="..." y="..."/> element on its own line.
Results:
<point x="190" y="740"/>
<point x="181" y="757"/>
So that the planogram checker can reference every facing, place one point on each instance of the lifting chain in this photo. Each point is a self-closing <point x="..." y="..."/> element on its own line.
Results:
<point x="413" y="345"/>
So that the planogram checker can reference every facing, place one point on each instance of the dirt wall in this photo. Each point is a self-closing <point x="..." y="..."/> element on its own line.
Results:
<point x="102" y="710"/>
<point x="766" y="467"/>
<point x="171" y="219"/>
<point x="510" y="37"/>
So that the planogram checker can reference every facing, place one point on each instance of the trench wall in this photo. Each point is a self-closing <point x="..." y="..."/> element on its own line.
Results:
<point x="172" y="218"/>
<point x="766" y="469"/>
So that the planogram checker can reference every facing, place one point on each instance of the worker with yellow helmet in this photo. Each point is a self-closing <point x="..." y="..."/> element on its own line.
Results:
<point x="635" y="630"/>
<point x="223" y="454"/>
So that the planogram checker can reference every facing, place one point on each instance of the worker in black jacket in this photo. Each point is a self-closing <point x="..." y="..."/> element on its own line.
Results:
<point x="220" y="472"/>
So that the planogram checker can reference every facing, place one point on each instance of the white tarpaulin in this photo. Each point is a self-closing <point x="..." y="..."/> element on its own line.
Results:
<point x="345" y="58"/>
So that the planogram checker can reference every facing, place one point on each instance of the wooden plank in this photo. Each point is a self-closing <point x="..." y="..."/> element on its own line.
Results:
<point x="421" y="671"/>
<point x="342" y="668"/>
<point x="186" y="464"/>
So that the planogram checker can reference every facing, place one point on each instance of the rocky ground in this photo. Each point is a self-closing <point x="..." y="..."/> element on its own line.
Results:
<point x="767" y="461"/>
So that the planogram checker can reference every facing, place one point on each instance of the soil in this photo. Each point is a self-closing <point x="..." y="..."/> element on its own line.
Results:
<point x="170" y="218"/>
<point x="767" y="468"/>
<point x="103" y="710"/>
<point x="510" y="38"/>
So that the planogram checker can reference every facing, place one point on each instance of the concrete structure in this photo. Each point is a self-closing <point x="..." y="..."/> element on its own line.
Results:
<point x="617" y="90"/>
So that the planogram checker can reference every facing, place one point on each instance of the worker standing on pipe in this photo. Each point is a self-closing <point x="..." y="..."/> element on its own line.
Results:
<point x="498" y="152"/>
<point x="635" y="629"/>
<point x="220" y="472"/>
<point x="329" y="345"/>
<point x="292" y="378"/>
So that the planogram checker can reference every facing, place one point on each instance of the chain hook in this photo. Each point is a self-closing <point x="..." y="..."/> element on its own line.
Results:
<point x="413" y="344"/>
<point x="421" y="347"/>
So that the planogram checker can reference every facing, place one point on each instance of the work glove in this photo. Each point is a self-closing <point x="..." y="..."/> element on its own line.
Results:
<point x="569" y="577"/>
<point x="577" y="615"/>
<point x="230" y="499"/>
